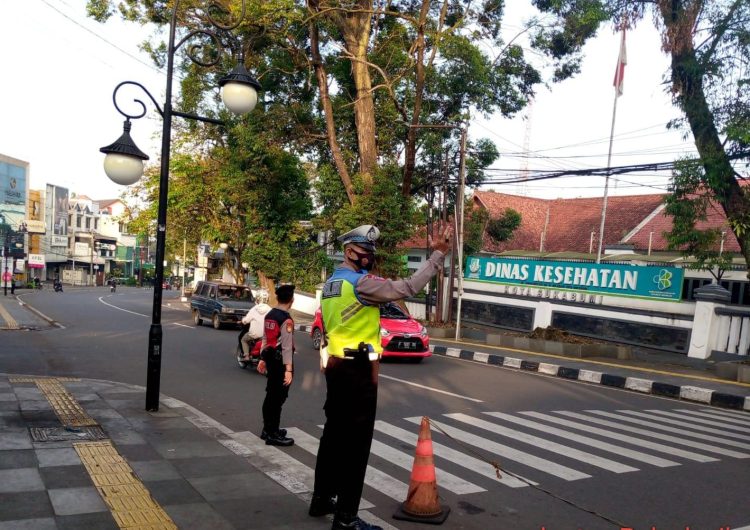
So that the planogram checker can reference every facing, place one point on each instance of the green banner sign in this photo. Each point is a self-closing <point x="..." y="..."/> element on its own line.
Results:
<point x="661" y="283"/>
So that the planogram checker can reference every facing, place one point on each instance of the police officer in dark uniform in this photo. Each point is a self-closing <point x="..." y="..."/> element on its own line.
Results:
<point x="351" y="318"/>
<point x="277" y="363"/>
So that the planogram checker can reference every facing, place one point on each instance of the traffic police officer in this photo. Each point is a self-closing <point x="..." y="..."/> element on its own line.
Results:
<point x="351" y="319"/>
<point x="276" y="362"/>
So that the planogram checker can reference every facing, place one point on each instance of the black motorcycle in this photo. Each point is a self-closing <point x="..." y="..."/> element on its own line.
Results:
<point x="57" y="285"/>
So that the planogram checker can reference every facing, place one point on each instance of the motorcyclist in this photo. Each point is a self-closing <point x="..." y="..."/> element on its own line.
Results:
<point x="57" y="284"/>
<point x="254" y="319"/>
<point x="112" y="285"/>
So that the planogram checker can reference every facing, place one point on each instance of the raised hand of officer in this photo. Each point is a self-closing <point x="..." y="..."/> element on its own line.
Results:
<point x="444" y="241"/>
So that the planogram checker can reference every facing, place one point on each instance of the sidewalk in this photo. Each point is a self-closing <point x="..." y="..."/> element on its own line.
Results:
<point x="84" y="454"/>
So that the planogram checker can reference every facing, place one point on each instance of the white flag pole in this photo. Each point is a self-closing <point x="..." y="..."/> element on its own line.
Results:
<point x="621" y="61"/>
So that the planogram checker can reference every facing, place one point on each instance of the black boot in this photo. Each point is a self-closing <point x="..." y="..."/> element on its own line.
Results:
<point x="351" y="522"/>
<point x="321" y="505"/>
<point x="279" y="439"/>
<point x="264" y="434"/>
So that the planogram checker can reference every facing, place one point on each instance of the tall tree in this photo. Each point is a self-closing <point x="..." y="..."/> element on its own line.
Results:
<point x="345" y="80"/>
<point x="708" y="42"/>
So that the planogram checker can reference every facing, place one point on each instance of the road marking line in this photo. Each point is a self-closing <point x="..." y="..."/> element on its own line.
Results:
<point x="541" y="464"/>
<point x="554" y="447"/>
<point x="183" y="325"/>
<point x="584" y="440"/>
<point x="121" y="309"/>
<point x="379" y="481"/>
<point x="729" y="413"/>
<point x="703" y="421"/>
<point x="678" y="440"/>
<point x="288" y="472"/>
<point x="128" y="499"/>
<point x="661" y="448"/>
<point x="722" y="433"/>
<point x="446" y="480"/>
<point x="457" y="457"/>
<point x="730" y="419"/>
<point x="430" y="388"/>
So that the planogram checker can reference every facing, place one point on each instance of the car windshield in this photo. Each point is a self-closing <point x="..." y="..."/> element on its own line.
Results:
<point x="391" y="310"/>
<point x="235" y="292"/>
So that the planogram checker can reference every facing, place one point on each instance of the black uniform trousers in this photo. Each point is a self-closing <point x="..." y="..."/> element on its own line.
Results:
<point x="350" y="407"/>
<point x="276" y="392"/>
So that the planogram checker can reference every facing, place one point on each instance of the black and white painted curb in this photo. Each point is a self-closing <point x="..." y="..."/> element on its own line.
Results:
<point x="636" y="384"/>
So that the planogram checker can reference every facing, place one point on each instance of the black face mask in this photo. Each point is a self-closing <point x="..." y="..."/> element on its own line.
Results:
<point x="361" y="256"/>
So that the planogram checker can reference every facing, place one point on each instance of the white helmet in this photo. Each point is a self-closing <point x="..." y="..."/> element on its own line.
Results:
<point x="261" y="297"/>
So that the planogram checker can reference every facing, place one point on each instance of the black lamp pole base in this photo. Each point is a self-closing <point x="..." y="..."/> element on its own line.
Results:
<point x="153" y="374"/>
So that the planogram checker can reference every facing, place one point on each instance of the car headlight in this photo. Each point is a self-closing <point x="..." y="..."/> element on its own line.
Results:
<point x="384" y="332"/>
<point x="423" y="332"/>
<point x="227" y="310"/>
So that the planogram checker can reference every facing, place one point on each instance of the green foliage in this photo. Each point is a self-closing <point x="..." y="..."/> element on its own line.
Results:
<point x="474" y="223"/>
<point x="689" y="205"/>
<point x="502" y="228"/>
<point x="385" y="207"/>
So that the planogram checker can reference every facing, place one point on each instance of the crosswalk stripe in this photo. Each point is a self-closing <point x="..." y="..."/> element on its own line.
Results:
<point x="742" y="416"/>
<point x="605" y="446"/>
<point x="541" y="464"/>
<point x="681" y="440"/>
<point x="456" y="457"/>
<point x="713" y="416"/>
<point x="661" y="448"/>
<point x="289" y="472"/>
<point x="686" y="424"/>
<point x="379" y="481"/>
<point x="575" y="454"/>
<point x="446" y="480"/>
<point x="702" y="421"/>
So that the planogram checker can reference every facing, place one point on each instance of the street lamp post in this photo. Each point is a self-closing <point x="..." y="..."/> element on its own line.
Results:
<point x="124" y="161"/>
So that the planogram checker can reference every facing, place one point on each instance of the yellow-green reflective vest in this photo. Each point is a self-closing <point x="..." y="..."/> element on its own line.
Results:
<point x="347" y="321"/>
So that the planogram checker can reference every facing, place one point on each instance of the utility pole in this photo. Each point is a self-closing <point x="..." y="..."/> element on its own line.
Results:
<point x="460" y="220"/>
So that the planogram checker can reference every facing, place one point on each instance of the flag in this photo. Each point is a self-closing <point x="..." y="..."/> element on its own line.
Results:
<point x="622" y="60"/>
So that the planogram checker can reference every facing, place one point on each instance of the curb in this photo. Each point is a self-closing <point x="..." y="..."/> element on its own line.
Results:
<point x="634" y="384"/>
<point x="38" y="313"/>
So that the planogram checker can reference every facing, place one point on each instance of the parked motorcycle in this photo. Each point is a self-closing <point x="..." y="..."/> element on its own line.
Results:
<point x="254" y="350"/>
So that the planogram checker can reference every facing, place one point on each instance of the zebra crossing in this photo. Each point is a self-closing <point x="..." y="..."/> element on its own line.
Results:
<point x="537" y="447"/>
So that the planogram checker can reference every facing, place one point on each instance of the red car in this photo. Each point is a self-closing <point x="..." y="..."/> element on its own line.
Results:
<point x="400" y="334"/>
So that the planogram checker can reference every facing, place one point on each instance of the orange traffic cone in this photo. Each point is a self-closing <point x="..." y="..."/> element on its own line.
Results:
<point x="422" y="504"/>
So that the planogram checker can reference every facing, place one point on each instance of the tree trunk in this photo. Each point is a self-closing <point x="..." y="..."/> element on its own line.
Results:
<point x="325" y="100"/>
<point x="267" y="284"/>
<point x="355" y="28"/>
<point x="411" y="139"/>
<point x="687" y="84"/>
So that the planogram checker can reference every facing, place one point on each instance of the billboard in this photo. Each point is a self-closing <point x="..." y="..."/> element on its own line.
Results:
<point x="639" y="281"/>
<point x="60" y="211"/>
<point x="13" y="191"/>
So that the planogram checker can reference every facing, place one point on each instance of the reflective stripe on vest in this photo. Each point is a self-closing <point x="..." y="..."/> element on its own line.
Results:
<point x="346" y="320"/>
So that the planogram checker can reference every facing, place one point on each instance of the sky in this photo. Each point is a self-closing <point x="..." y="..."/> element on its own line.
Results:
<point x="60" y="69"/>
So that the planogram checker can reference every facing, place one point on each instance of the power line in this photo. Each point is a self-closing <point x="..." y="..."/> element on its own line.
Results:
<point x="151" y="66"/>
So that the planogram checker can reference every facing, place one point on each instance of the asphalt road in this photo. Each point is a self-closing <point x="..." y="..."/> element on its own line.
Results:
<point x="667" y="469"/>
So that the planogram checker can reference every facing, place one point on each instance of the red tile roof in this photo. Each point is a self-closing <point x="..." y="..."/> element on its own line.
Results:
<point x="570" y="222"/>
<point x="661" y="223"/>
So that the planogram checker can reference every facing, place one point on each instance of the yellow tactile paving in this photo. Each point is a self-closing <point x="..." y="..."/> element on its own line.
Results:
<point x="10" y="322"/>
<point x="35" y="379"/>
<point x="67" y="409"/>
<point x="127" y="498"/>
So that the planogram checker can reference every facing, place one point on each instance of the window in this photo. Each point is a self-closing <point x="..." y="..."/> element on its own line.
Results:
<point x="88" y="222"/>
<point x="78" y="222"/>
<point x="414" y="259"/>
